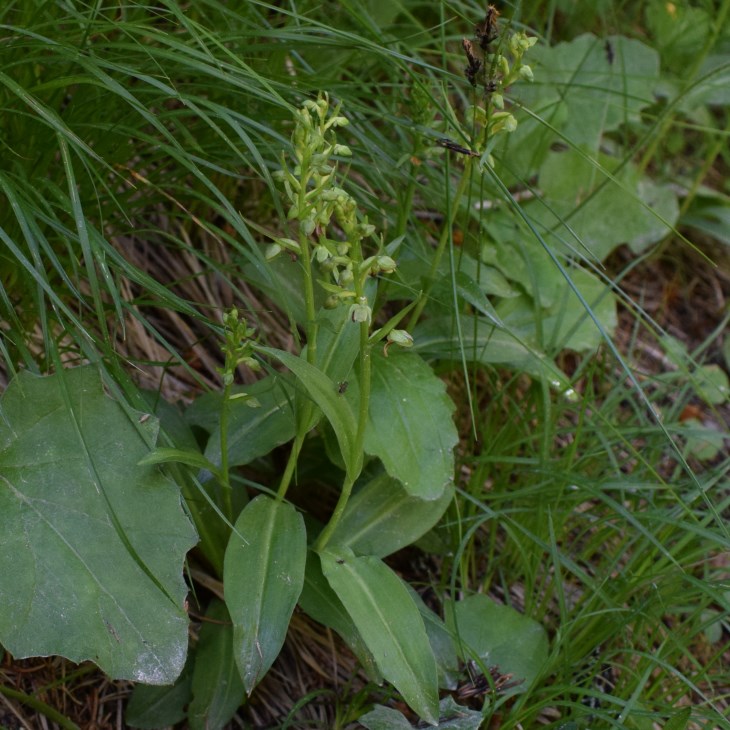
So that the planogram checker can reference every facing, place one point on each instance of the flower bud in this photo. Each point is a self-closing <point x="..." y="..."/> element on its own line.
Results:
<point x="526" y="73"/>
<point x="400" y="338"/>
<point x="272" y="251"/>
<point x="385" y="264"/>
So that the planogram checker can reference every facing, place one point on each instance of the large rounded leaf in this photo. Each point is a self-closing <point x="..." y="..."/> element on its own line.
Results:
<point x="500" y="636"/>
<point x="263" y="573"/>
<point x="410" y="426"/>
<point x="91" y="543"/>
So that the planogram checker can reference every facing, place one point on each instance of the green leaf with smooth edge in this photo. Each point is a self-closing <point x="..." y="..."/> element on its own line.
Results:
<point x="383" y="517"/>
<point x="252" y="432"/>
<point x="323" y="392"/>
<point x="410" y="428"/>
<point x="152" y="707"/>
<point x="599" y="94"/>
<point x="637" y="212"/>
<point x="320" y="602"/>
<point x="442" y="643"/>
<point x="217" y="688"/>
<point x="566" y="324"/>
<point x="263" y="573"/>
<point x="91" y="543"/>
<point x="500" y="636"/>
<point x="485" y="344"/>
<point x="384" y="718"/>
<point x="389" y="623"/>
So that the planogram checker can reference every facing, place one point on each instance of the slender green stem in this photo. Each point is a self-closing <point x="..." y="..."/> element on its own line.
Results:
<point x="441" y="247"/>
<point x="225" y="480"/>
<point x="306" y="410"/>
<point x="291" y="463"/>
<point x="40" y="707"/>
<point x="362" y="419"/>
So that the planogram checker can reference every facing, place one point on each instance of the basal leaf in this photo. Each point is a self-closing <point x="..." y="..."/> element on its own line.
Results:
<point x="629" y="209"/>
<point x="410" y="428"/>
<point x="157" y="706"/>
<point x="383" y="517"/>
<point x="486" y="344"/>
<point x="320" y="602"/>
<point x="217" y="688"/>
<point x="263" y="575"/>
<point x="603" y="83"/>
<point x="389" y="623"/>
<point x="91" y="542"/>
<point x="500" y="636"/>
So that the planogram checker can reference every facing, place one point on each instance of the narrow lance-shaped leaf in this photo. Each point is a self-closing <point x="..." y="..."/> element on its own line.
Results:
<point x="323" y="392"/>
<point x="91" y="543"/>
<point x="216" y="685"/>
<point x="263" y="573"/>
<point x="389" y="623"/>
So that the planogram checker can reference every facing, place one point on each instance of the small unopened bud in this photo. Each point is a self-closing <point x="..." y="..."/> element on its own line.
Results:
<point x="332" y="302"/>
<point x="272" y="251"/>
<point x="345" y="277"/>
<point x="385" y="264"/>
<point x="526" y="73"/>
<point x="398" y="337"/>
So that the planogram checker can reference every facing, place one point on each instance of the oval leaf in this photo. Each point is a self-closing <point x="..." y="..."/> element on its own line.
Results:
<point x="263" y="573"/>
<point x="91" y="543"/>
<point x="500" y="636"/>
<point x="390" y="624"/>
<point x="410" y="426"/>
<point x="383" y="517"/>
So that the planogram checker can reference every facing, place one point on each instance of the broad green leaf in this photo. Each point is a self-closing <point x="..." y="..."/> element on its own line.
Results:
<point x="486" y="344"/>
<point x="389" y="623"/>
<point x="323" y="391"/>
<point x="634" y="210"/>
<point x="451" y="717"/>
<point x="263" y="575"/>
<point x="217" y="688"/>
<point x="384" y="718"/>
<point x="383" y="517"/>
<point x="702" y="442"/>
<point x="500" y="636"/>
<point x="600" y="90"/>
<point x="410" y="428"/>
<point x="152" y="707"/>
<point x="566" y="324"/>
<point x="91" y="543"/>
<point x="252" y="432"/>
<point x="320" y="602"/>
<point x="442" y="643"/>
<point x="711" y="384"/>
